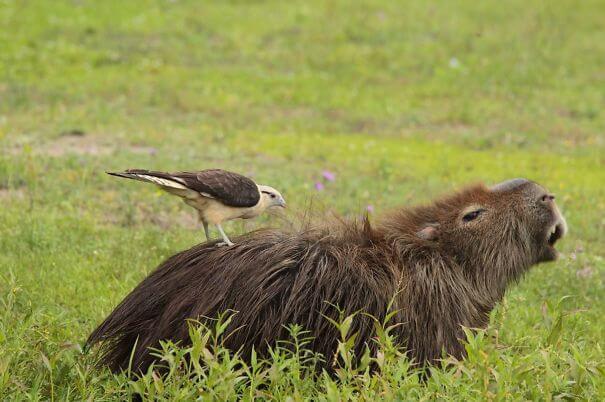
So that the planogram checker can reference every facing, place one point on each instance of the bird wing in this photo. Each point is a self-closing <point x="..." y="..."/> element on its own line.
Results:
<point x="229" y="188"/>
<point x="232" y="189"/>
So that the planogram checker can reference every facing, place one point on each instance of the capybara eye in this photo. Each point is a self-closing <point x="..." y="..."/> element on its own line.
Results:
<point x="472" y="215"/>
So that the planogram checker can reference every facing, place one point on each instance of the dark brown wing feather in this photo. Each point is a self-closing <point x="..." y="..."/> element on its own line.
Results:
<point x="230" y="188"/>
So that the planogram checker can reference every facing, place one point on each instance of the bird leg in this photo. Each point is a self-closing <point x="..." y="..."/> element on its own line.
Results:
<point x="206" y="231"/>
<point x="201" y="219"/>
<point x="226" y="240"/>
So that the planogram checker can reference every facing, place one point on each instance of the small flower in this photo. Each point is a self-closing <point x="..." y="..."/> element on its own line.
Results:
<point x="454" y="63"/>
<point x="370" y="208"/>
<point x="329" y="176"/>
<point x="585" y="272"/>
<point x="319" y="186"/>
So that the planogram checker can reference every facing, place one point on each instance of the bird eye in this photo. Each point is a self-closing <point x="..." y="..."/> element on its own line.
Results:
<point x="272" y="195"/>
<point x="472" y="215"/>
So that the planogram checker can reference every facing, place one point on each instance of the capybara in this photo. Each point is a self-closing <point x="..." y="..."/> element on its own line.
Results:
<point x="441" y="266"/>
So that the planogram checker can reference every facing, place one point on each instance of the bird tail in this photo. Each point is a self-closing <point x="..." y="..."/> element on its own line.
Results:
<point x="159" y="178"/>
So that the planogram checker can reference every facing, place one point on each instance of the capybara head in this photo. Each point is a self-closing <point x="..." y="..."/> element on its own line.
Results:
<point x="495" y="233"/>
<point x="441" y="267"/>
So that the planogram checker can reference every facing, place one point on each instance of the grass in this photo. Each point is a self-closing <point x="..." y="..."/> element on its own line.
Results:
<point x="402" y="101"/>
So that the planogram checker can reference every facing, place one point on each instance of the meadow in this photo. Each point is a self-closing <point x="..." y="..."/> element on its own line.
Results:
<point x="401" y="101"/>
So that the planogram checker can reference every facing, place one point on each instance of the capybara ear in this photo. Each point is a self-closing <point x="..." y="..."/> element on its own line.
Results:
<point x="509" y="185"/>
<point x="429" y="232"/>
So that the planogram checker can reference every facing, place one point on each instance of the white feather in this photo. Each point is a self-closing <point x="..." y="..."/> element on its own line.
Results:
<point x="162" y="182"/>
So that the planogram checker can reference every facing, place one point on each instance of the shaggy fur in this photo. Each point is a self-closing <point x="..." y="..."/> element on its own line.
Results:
<point x="444" y="265"/>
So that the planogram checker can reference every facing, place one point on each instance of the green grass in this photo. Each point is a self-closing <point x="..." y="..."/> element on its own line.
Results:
<point x="402" y="101"/>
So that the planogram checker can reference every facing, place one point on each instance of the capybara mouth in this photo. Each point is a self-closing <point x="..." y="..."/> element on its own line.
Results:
<point x="555" y="233"/>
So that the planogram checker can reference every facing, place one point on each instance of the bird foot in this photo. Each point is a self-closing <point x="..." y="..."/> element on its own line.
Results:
<point x="222" y="243"/>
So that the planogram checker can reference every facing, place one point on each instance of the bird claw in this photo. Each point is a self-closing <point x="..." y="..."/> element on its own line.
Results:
<point x="222" y="243"/>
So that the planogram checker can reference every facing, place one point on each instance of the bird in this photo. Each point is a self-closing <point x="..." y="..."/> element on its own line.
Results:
<point x="218" y="195"/>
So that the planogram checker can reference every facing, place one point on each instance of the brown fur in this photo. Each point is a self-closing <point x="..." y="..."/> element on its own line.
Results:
<point x="441" y="272"/>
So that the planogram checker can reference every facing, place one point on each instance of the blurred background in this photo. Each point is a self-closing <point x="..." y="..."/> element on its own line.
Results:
<point x="358" y="106"/>
<point x="392" y="101"/>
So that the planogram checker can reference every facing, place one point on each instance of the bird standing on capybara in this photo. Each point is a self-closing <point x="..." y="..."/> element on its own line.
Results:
<point x="218" y="195"/>
<point x="444" y="266"/>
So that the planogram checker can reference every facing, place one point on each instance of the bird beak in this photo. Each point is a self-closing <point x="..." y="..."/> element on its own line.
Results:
<point x="282" y="204"/>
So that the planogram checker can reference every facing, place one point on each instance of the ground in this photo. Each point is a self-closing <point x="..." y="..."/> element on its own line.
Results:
<point x="401" y="102"/>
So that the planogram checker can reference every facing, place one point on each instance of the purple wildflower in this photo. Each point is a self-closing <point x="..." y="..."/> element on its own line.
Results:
<point x="319" y="186"/>
<point x="329" y="176"/>
<point x="370" y="208"/>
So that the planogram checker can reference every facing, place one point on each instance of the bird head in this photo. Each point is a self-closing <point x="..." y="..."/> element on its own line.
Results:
<point x="271" y="197"/>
